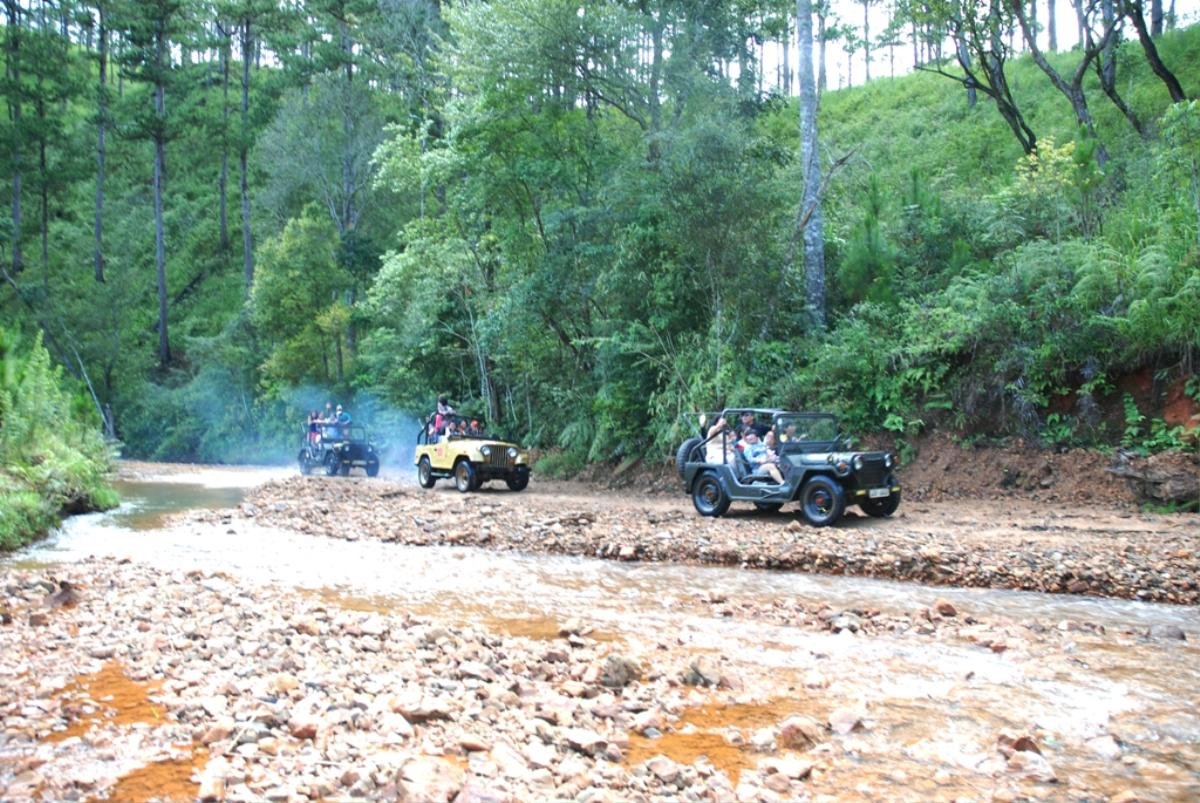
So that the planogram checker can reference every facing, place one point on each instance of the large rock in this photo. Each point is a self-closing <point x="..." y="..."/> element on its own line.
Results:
<point x="619" y="672"/>
<point x="800" y="732"/>
<point x="584" y="740"/>
<point x="429" y="778"/>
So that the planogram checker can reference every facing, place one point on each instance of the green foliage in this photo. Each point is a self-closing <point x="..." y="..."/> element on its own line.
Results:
<point x="52" y="457"/>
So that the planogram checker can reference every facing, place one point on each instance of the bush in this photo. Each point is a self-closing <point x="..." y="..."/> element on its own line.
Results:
<point x="52" y="456"/>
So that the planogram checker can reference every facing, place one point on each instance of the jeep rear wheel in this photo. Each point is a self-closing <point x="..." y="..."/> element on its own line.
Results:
<point x="685" y="454"/>
<point x="518" y="479"/>
<point x="332" y="464"/>
<point x="881" y="508"/>
<point x="465" y="478"/>
<point x="822" y="501"/>
<point x="372" y="466"/>
<point x="709" y="496"/>
<point x="425" y="473"/>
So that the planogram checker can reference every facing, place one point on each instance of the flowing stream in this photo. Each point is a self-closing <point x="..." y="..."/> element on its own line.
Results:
<point x="1118" y="709"/>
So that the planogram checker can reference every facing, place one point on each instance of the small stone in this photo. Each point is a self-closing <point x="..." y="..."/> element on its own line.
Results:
<point x="844" y="720"/>
<point x="800" y="732"/>
<point x="39" y="619"/>
<point x="584" y="740"/>
<point x="619" y="672"/>
<point x="944" y="607"/>
<point x="664" y="769"/>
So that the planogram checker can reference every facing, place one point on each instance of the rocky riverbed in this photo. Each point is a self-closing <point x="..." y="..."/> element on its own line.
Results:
<point x="133" y="683"/>
<point x="985" y="544"/>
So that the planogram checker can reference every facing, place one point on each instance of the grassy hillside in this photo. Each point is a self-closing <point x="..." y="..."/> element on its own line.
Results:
<point x="989" y="293"/>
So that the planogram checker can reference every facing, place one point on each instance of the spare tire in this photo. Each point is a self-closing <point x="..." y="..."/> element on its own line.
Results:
<point x="685" y="451"/>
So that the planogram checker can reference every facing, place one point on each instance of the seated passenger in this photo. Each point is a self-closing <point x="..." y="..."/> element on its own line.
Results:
<point x="760" y="458"/>
<point x="476" y="429"/>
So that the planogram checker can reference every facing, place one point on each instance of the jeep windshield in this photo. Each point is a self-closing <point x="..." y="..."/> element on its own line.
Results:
<point x="809" y="429"/>
<point x="342" y="432"/>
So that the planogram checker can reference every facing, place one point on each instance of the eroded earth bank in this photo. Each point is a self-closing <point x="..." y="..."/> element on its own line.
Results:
<point x="325" y="639"/>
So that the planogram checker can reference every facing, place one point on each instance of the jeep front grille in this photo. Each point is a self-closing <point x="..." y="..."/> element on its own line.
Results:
<point x="872" y="474"/>
<point x="499" y="458"/>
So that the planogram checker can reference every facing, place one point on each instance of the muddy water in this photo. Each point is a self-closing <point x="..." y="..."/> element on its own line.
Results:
<point x="932" y="709"/>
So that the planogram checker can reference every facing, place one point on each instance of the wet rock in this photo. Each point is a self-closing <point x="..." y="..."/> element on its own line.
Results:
<point x="1010" y="743"/>
<point x="800" y="733"/>
<point x="584" y="740"/>
<point x="1168" y="633"/>
<point x="304" y="727"/>
<point x="1031" y="765"/>
<point x="619" y="672"/>
<point x="571" y="627"/>
<point x="944" y="607"/>
<point x="307" y="625"/>
<point x="844" y="720"/>
<point x="429" y="778"/>
<point x="778" y="783"/>
<point x="664" y="769"/>
<point x="795" y="768"/>
<point x="702" y="672"/>
<point x="39" y="619"/>
<point x="473" y="793"/>
<point x="763" y="740"/>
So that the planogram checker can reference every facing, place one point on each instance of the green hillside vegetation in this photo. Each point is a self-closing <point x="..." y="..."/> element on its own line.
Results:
<point x="514" y="204"/>
<point x="52" y="458"/>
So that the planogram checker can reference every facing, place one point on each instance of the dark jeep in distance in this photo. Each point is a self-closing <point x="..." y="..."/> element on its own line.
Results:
<point x="820" y="470"/>
<point x="339" y="448"/>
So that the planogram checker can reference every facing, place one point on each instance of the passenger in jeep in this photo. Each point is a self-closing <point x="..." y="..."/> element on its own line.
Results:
<point x="757" y="453"/>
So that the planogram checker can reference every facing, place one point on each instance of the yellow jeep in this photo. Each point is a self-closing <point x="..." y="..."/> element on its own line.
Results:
<point x="463" y="452"/>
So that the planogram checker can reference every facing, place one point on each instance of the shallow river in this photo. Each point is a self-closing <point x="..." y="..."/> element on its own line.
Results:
<point x="933" y="708"/>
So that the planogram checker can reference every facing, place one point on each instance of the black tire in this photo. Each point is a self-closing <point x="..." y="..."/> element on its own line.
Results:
<point x="518" y="480"/>
<point x="881" y="508"/>
<point x="305" y="466"/>
<point x="708" y="495"/>
<point x="768" y="507"/>
<point x="684" y="453"/>
<point x="332" y="464"/>
<point x="425" y="476"/>
<point x="822" y="501"/>
<point x="345" y="469"/>
<point x="465" y="478"/>
<point x="373" y="467"/>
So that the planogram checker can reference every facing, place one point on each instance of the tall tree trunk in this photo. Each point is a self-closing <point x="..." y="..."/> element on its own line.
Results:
<point x="811" y="221"/>
<point x="657" y="25"/>
<point x="43" y="190"/>
<point x="243" y="152"/>
<point x="787" y="58"/>
<point x="1133" y="10"/>
<point x="916" y="43"/>
<point x="964" y="58"/>
<point x="160" y="251"/>
<point x="822" y="82"/>
<point x="866" y="4"/>
<point x="101" y="131"/>
<point x="223" y="175"/>
<point x="1156" y="17"/>
<point x="1052" y="25"/>
<point x="1108" y="59"/>
<point x="14" y="111"/>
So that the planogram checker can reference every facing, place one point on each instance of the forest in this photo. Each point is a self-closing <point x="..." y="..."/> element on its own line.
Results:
<point x="582" y="220"/>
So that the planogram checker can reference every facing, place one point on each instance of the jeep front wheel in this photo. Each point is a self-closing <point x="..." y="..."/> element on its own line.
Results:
<point x="518" y="479"/>
<point x="305" y="466"/>
<point x="464" y="476"/>
<point x="332" y="464"/>
<point x="425" y="473"/>
<point x="709" y="496"/>
<point x="822" y="501"/>
<point x="372" y="467"/>
<point x="881" y="508"/>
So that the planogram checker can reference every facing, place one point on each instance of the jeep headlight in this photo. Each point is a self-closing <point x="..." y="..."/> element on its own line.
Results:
<point x="485" y="450"/>
<point x="842" y="468"/>
<point x="887" y="460"/>
<point x="858" y="462"/>
<point x="512" y="453"/>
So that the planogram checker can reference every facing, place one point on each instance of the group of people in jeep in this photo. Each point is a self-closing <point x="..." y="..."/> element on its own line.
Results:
<point x="445" y="422"/>
<point x="333" y="423"/>
<point x="753" y="441"/>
